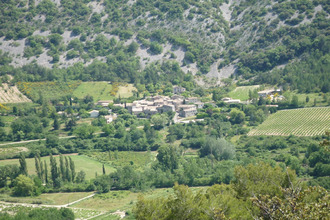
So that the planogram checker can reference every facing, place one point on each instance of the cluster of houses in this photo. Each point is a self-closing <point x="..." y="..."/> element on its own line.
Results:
<point x="149" y="106"/>
<point x="269" y="94"/>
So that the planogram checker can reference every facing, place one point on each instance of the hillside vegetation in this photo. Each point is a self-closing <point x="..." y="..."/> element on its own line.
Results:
<point x="121" y="39"/>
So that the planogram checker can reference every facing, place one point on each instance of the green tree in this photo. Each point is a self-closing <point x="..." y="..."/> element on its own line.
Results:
<point x="80" y="177"/>
<point x="54" y="171"/>
<point x="46" y="172"/>
<point x="52" y="141"/>
<point x="262" y="179"/>
<point x="168" y="157"/>
<point x="56" y="124"/>
<point x="23" y="166"/>
<point x="294" y="102"/>
<point x="72" y="169"/>
<point x="237" y="116"/>
<point x="159" y="121"/>
<point x="219" y="149"/>
<point x="84" y="131"/>
<point x="38" y="164"/>
<point x="62" y="168"/>
<point x="23" y="186"/>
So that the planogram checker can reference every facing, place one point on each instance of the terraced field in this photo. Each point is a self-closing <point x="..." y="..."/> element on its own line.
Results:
<point x="49" y="90"/>
<point x="298" y="122"/>
<point x="11" y="94"/>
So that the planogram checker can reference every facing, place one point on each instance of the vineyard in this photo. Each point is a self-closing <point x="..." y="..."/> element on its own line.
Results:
<point x="11" y="94"/>
<point x="48" y="90"/>
<point x="298" y="122"/>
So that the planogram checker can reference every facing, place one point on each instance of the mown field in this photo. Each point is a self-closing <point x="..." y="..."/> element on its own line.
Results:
<point x="88" y="165"/>
<point x="103" y="90"/>
<point x="242" y="92"/>
<point x="299" y="122"/>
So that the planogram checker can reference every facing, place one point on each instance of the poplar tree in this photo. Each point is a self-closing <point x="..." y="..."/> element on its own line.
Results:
<point x="37" y="164"/>
<point x="67" y="170"/>
<point x="72" y="168"/>
<point x="23" y="166"/>
<point x="62" y="168"/>
<point x="53" y="169"/>
<point x="46" y="172"/>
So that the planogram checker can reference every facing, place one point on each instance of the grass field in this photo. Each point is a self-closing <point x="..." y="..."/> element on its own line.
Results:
<point x="122" y="158"/>
<point x="47" y="198"/>
<point x="103" y="90"/>
<point x="88" y="165"/>
<point x="312" y="96"/>
<point x="242" y="92"/>
<point x="299" y="122"/>
<point x="9" y="152"/>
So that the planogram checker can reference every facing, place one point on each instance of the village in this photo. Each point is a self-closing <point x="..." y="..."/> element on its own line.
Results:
<point x="182" y="106"/>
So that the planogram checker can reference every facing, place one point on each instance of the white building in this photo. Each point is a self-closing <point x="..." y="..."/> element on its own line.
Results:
<point x="94" y="114"/>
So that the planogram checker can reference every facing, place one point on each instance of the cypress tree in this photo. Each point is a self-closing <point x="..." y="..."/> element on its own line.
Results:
<point x="23" y="166"/>
<point x="103" y="169"/>
<point x="56" y="123"/>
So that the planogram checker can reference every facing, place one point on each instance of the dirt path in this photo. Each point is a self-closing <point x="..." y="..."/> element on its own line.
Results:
<point x="29" y="141"/>
<point x="50" y="206"/>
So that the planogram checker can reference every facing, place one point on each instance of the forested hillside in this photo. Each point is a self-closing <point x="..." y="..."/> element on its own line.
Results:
<point x="275" y="42"/>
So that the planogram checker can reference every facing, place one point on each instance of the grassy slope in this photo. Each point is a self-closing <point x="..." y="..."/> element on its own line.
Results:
<point x="88" y="165"/>
<point x="101" y="90"/>
<point x="242" y="92"/>
<point x="123" y="199"/>
<point x="300" y="122"/>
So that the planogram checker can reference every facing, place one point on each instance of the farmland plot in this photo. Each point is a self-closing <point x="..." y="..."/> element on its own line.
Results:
<point x="242" y="92"/>
<point x="11" y="94"/>
<point x="299" y="122"/>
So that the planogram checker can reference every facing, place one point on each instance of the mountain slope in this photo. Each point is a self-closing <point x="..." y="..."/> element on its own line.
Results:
<point x="213" y="37"/>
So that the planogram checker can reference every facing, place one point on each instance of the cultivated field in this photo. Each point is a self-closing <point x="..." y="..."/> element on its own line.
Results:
<point x="299" y="122"/>
<point x="103" y="90"/>
<point x="242" y="92"/>
<point x="11" y="94"/>
<point x="48" y="90"/>
<point x="88" y="165"/>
